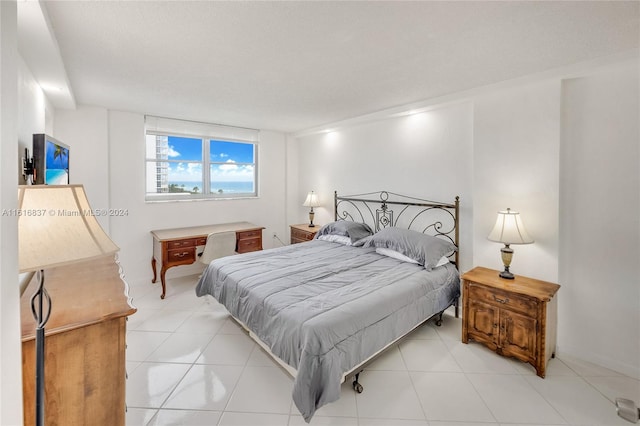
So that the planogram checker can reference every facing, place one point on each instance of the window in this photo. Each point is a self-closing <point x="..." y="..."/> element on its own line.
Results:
<point x="188" y="160"/>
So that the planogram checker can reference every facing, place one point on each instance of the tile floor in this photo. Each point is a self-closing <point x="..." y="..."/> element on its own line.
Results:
<point x="189" y="364"/>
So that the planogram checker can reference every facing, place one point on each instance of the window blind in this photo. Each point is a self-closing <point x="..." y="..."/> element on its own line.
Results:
<point x="163" y="125"/>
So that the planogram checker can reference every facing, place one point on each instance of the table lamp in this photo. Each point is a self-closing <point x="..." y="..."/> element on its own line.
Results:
<point x="56" y="227"/>
<point x="311" y="201"/>
<point x="509" y="230"/>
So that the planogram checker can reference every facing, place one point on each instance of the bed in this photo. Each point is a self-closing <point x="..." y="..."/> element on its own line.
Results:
<point x="325" y="308"/>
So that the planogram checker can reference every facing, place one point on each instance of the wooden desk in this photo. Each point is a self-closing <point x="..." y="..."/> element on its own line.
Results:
<point x="177" y="246"/>
<point x="85" y="345"/>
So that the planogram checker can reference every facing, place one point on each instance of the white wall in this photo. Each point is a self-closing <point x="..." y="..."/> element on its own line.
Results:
<point x="85" y="130"/>
<point x="10" y="355"/>
<point x="516" y="138"/>
<point x="425" y="155"/>
<point x="31" y="109"/>
<point x="599" y="319"/>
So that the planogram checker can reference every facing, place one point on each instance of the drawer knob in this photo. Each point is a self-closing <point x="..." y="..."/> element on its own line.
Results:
<point x="503" y="301"/>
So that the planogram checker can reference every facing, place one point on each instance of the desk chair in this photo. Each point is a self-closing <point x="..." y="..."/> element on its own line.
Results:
<point x="219" y="244"/>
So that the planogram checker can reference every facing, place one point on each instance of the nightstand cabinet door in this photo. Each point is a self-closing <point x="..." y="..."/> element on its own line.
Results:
<point x="483" y="323"/>
<point x="518" y="336"/>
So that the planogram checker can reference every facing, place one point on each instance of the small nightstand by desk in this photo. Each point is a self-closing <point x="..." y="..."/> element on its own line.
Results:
<point x="303" y="232"/>
<point x="515" y="318"/>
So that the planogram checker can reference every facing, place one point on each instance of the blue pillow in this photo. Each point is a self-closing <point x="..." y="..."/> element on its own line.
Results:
<point x="354" y="230"/>
<point x="425" y="249"/>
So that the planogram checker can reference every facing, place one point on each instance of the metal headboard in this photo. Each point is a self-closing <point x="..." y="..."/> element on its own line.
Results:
<point x="384" y="209"/>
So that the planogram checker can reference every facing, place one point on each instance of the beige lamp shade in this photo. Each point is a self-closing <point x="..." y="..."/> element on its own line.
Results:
<point x="509" y="229"/>
<point x="311" y="200"/>
<point x="57" y="227"/>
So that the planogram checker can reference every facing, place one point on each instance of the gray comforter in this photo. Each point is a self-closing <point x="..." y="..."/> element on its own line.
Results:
<point x="323" y="308"/>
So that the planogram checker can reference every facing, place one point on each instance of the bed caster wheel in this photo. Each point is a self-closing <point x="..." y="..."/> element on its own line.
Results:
<point x="439" y="322"/>
<point x="357" y="387"/>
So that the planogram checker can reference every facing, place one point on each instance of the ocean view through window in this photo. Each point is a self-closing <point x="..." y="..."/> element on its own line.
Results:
<point x="187" y="160"/>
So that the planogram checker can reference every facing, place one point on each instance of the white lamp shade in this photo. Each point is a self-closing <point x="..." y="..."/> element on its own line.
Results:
<point x="311" y="200"/>
<point x="509" y="229"/>
<point x="56" y="227"/>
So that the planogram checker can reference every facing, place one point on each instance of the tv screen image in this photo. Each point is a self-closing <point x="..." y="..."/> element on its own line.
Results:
<point x="57" y="164"/>
<point x="51" y="159"/>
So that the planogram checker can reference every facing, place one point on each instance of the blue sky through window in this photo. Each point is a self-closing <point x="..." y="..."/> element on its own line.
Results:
<point x="181" y="148"/>
<point x="228" y="153"/>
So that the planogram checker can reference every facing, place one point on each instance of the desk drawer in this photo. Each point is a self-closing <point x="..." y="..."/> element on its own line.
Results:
<point x="256" y="233"/>
<point x="496" y="297"/>
<point x="176" y="244"/>
<point x="185" y="255"/>
<point x="251" y="244"/>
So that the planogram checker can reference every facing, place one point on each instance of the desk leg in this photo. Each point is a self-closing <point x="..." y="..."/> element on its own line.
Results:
<point x="164" y="286"/>
<point x="163" y="270"/>
<point x="153" y="266"/>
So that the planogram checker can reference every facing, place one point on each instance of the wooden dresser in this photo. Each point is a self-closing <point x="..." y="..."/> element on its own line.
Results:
<point x="302" y="233"/>
<point x="178" y="246"/>
<point x="84" y="346"/>
<point x="515" y="318"/>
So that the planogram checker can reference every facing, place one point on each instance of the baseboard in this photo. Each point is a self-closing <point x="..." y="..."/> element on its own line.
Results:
<point x="629" y="370"/>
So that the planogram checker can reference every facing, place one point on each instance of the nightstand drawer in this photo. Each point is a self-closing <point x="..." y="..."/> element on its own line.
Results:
<point x="501" y="298"/>
<point x="301" y="235"/>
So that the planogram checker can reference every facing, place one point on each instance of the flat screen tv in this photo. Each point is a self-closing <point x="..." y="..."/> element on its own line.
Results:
<point x="51" y="158"/>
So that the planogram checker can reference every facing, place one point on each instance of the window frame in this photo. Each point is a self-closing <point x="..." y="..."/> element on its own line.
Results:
<point x="205" y="163"/>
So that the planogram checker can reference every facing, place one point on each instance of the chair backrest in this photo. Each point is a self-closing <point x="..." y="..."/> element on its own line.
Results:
<point x="219" y="244"/>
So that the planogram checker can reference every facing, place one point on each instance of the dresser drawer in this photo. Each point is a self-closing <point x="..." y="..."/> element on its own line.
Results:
<point x="301" y="235"/>
<point x="497" y="297"/>
<point x="201" y="241"/>
<point x="176" y="244"/>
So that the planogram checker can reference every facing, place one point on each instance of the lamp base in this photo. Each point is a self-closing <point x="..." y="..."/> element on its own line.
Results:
<point x="506" y="275"/>
<point x="311" y="215"/>
<point x="507" y="254"/>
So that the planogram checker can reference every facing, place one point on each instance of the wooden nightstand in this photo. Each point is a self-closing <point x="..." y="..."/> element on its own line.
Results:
<point x="302" y="233"/>
<point x="515" y="318"/>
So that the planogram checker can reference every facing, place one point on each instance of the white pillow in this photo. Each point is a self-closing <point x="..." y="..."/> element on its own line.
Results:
<point x="341" y="239"/>
<point x="395" y="254"/>
<point x="401" y="257"/>
<point x="443" y="261"/>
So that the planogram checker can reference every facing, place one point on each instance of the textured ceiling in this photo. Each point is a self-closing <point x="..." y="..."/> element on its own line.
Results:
<point x="290" y="66"/>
